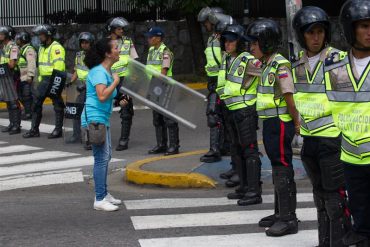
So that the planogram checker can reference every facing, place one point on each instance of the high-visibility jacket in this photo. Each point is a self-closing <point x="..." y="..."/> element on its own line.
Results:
<point x="267" y="105"/>
<point x="221" y="78"/>
<point x="81" y="69"/>
<point x="213" y="56"/>
<point x="236" y="96"/>
<point x="22" y="61"/>
<point x="350" y="103"/>
<point x="5" y="52"/>
<point x="155" y="58"/>
<point x="120" y="67"/>
<point x="50" y="58"/>
<point x="311" y="100"/>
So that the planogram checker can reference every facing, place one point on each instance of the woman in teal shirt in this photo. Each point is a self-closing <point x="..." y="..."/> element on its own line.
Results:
<point x="100" y="92"/>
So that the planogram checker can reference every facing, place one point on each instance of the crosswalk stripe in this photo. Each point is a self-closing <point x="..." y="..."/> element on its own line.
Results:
<point x="49" y="165"/>
<point x="44" y="128"/>
<point x="197" y="202"/>
<point x="301" y="239"/>
<point x="17" y="149"/>
<point x="211" y="219"/>
<point x="47" y="179"/>
<point x="38" y="156"/>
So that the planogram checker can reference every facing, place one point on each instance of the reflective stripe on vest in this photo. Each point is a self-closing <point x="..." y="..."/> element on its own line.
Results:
<point x="267" y="105"/>
<point x="213" y="56"/>
<point x="22" y="61"/>
<point x="155" y="59"/>
<point x="312" y="102"/>
<point x="237" y="97"/>
<point x="45" y="62"/>
<point x="351" y="112"/>
<point x="81" y="69"/>
<point x="120" y="67"/>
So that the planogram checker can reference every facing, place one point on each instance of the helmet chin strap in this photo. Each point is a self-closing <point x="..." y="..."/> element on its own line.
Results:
<point x="361" y="48"/>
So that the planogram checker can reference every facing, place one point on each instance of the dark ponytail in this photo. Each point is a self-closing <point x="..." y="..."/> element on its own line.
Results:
<point x="96" y="54"/>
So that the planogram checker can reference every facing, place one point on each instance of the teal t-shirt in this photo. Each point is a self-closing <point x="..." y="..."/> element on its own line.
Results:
<point x="97" y="111"/>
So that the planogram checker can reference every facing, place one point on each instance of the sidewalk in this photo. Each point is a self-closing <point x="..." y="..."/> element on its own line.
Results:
<point x="186" y="171"/>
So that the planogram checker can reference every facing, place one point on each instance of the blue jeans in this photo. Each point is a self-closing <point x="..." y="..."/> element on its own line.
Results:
<point x="102" y="156"/>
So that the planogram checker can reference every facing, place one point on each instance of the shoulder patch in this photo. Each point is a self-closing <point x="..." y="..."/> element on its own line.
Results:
<point x="333" y="58"/>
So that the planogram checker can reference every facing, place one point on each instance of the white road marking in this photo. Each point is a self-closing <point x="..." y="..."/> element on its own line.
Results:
<point x="26" y="125"/>
<point x="301" y="239"/>
<point x="136" y="108"/>
<point x="17" y="149"/>
<point x="197" y="202"/>
<point x="6" y="160"/>
<point x="211" y="219"/>
<point x="47" y="179"/>
<point x="1" y="142"/>
<point x="49" y="165"/>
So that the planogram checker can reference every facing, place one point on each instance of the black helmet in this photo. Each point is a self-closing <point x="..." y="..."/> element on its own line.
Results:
<point x="206" y="11"/>
<point x="89" y="37"/>
<point x="352" y="11"/>
<point x="44" y="29"/>
<point x="8" y="31"/>
<point x="268" y="34"/>
<point x="307" y="17"/>
<point x="234" y="29"/>
<point x="116" y="22"/>
<point x="24" y="37"/>
<point x="223" y="21"/>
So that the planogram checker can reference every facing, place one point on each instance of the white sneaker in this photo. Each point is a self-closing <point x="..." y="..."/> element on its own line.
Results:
<point x="112" y="200"/>
<point x="105" y="205"/>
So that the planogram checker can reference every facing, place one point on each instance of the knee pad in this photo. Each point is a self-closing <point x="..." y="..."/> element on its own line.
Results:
<point x="334" y="205"/>
<point x="332" y="174"/>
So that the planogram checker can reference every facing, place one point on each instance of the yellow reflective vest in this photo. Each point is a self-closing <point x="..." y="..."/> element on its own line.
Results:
<point x="5" y="53"/>
<point x="81" y="69"/>
<point x="350" y="103"/>
<point x="50" y="58"/>
<point x="235" y="96"/>
<point x="213" y="56"/>
<point x="120" y="67"/>
<point x="311" y="100"/>
<point x="155" y="59"/>
<point x="267" y="105"/>
<point x="22" y="61"/>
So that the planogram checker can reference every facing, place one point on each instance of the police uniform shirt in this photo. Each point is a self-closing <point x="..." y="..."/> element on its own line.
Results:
<point x="339" y="77"/>
<point x="167" y="59"/>
<point x="283" y="80"/>
<point x="254" y="68"/>
<point x="30" y="71"/>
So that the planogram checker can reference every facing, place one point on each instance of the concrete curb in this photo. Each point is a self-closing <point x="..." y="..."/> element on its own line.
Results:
<point x="136" y="175"/>
<point x="195" y="86"/>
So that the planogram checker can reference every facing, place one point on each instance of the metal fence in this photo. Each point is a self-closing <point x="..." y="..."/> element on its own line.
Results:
<point x="32" y="12"/>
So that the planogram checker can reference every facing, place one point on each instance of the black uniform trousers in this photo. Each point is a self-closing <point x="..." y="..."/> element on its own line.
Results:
<point x="357" y="179"/>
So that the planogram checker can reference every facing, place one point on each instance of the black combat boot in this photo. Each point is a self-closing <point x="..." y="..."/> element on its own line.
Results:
<point x="161" y="136"/>
<point x="34" y="131"/>
<point x="243" y="186"/>
<point x="173" y="133"/>
<point x="228" y="174"/>
<point x="76" y="136"/>
<point x="213" y="154"/>
<point x="285" y="187"/>
<point x="16" y="121"/>
<point x="268" y="221"/>
<point x="354" y="239"/>
<point x="253" y="195"/>
<point x="125" y="134"/>
<point x="58" y="130"/>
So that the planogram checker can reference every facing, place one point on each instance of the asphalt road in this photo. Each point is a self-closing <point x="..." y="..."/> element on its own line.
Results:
<point x="62" y="215"/>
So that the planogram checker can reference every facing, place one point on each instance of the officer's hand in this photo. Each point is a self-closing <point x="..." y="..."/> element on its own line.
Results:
<point x="123" y="103"/>
<point x="297" y="128"/>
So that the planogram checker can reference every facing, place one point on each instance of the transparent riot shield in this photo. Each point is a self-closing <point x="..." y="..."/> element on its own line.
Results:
<point x="75" y="94"/>
<point x="8" y="91"/>
<point x="164" y="94"/>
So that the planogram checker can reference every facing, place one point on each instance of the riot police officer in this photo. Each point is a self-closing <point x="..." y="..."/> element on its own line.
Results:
<point x="275" y="105"/>
<point x="116" y="29"/>
<point x="321" y="138"/>
<point x="86" y="40"/>
<point x="160" y="59"/>
<point x="214" y="112"/>
<point x="51" y="57"/>
<point x="239" y="75"/>
<point x="27" y="68"/>
<point x="347" y="80"/>
<point x="10" y="75"/>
